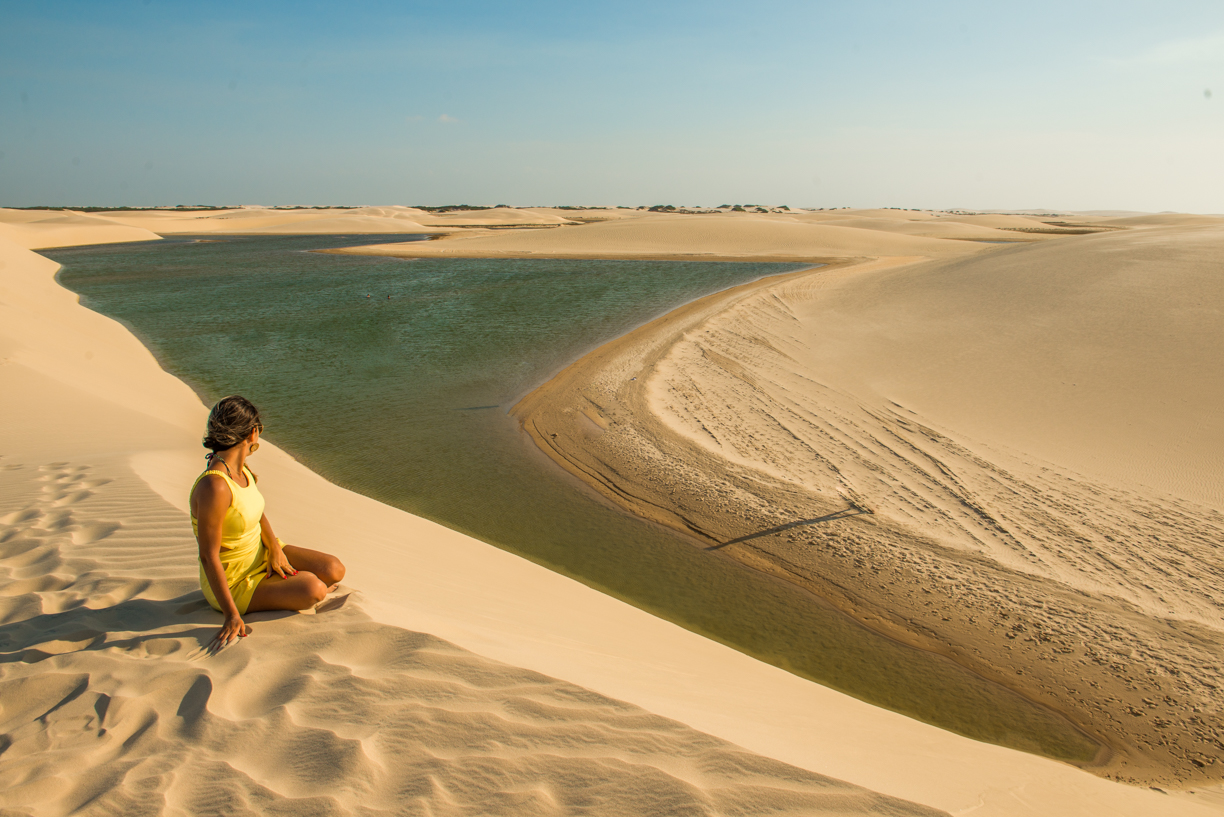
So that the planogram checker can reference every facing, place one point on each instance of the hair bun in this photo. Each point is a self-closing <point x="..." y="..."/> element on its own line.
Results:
<point x="230" y="422"/>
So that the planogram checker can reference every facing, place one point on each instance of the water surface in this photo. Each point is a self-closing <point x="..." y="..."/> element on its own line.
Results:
<point x="392" y="377"/>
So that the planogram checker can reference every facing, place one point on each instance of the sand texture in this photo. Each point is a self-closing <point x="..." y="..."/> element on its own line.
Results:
<point x="445" y="677"/>
<point x="112" y="706"/>
<point x="1011" y="459"/>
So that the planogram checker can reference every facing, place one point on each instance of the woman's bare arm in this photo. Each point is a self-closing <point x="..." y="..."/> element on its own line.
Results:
<point x="278" y="562"/>
<point x="210" y="500"/>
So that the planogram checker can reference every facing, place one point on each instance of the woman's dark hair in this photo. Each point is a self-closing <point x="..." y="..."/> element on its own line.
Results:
<point x="230" y="422"/>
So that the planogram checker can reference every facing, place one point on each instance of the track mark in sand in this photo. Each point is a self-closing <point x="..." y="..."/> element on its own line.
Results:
<point x="43" y="566"/>
<point x="16" y="518"/>
<point x="94" y="531"/>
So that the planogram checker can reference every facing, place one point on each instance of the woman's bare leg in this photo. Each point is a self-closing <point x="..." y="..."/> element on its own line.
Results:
<point x="317" y="574"/>
<point x="298" y="592"/>
<point x="328" y="568"/>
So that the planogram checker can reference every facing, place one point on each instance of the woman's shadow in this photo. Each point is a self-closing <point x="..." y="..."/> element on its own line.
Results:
<point x="132" y="625"/>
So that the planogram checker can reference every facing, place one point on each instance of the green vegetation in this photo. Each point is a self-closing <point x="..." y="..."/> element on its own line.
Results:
<point x="450" y="208"/>
<point x="181" y="208"/>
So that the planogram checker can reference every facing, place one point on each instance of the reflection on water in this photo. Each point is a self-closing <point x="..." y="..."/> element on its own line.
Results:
<point x="392" y="377"/>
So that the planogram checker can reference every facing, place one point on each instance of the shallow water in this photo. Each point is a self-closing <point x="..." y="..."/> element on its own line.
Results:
<point x="404" y="399"/>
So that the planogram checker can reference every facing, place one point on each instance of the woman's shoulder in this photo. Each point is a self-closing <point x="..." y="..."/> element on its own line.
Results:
<point x="211" y="482"/>
<point x="211" y="492"/>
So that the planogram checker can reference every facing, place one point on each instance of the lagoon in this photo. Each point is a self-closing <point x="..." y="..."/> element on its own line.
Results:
<point x="393" y="378"/>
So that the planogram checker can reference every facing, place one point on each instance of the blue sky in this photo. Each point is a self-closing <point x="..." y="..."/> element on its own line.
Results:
<point x="1064" y="105"/>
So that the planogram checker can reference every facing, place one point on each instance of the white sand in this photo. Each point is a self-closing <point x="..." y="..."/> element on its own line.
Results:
<point x="392" y="697"/>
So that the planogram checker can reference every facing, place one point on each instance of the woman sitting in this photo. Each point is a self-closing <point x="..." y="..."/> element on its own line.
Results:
<point x="244" y="568"/>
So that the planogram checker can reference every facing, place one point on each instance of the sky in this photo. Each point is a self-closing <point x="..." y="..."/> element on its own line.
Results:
<point x="1061" y="105"/>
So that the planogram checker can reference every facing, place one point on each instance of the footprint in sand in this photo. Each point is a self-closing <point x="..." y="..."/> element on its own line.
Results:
<point x="20" y="517"/>
<point x="56" y="521"/>
<point x="71" y="498"/>
<point x="93" y="531"/>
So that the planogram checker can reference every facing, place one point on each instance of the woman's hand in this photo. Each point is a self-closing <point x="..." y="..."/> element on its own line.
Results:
<point x="278" y="563"/>
<point x="233" y="629"/>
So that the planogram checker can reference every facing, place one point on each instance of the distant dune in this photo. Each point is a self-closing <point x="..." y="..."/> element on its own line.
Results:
<point x="760" y="237"/>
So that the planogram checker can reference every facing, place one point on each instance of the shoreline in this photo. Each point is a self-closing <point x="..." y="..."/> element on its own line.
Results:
<point x="553" y="405"/>
<point x="599" y="420"/>
<point x="394" y="251"/>
<point x="92" y="371"/>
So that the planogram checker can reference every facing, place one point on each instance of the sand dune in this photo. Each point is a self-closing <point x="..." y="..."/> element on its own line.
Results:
<point x="39" y="229"/>
<point x="683" y="236"/>
<point x="500" y="216"/>
<point x="1003" y="222"/>
<point x="935" y="228"/>
<point x="434" y="687"/>
<point x="1010" y="458"/>
<point x="359" y="220"/>
<point x="887" y="214"/>
<point x="274" y="222"/>
<point x="1165" y="220"/>
<point x="349" y="225"/>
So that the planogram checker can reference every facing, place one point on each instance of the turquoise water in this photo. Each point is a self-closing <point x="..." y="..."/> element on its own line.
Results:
<point x="404" y="399"/>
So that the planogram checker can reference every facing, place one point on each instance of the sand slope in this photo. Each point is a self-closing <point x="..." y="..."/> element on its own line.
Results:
<point x="1011" y="459"/>
<point x="39" y="229"/>
<point x="111" y="705"/>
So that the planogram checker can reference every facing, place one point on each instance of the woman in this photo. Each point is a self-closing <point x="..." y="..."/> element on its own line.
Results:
<point x="244" y="568"/>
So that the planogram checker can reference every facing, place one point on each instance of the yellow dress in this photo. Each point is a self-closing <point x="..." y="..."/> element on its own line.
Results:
<point x="243" y="554"/>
